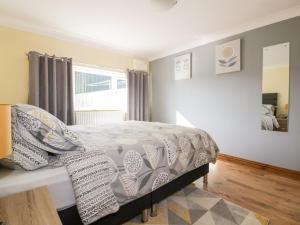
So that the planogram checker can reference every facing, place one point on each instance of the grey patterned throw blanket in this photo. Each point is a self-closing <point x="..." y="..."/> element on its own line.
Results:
<point x="91" y="174"/>
<point x="125" y="161"/>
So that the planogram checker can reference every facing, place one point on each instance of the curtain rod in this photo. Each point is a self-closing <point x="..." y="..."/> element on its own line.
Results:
<point x="50" y="56"/>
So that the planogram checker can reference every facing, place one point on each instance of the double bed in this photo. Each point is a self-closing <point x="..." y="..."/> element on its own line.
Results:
<point x="269" y="111"/>
<point x="105" y="174"/>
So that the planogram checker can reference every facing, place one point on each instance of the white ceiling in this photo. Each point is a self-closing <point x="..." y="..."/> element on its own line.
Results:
<point x="136" y="28"/>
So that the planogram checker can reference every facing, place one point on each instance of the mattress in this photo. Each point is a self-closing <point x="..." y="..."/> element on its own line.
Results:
<point x="56" y="179"/>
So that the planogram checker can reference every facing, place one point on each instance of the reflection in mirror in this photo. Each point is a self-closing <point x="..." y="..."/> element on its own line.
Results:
<point x="275" y="88"/>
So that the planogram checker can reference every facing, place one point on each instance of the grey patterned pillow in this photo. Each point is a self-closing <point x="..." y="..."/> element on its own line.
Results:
<point x="35" y="132"/>
<point x="47" y="132"/>
<point x="27" y="152"/>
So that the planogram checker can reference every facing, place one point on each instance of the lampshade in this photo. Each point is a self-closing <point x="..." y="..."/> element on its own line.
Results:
<point x="5" y="130"/>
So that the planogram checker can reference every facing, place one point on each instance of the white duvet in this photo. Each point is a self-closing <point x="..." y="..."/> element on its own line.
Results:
<point x="268" y="120"/>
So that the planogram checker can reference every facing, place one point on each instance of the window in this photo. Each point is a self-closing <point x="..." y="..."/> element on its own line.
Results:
<point x="97" y="89"/>
<point x="121" y="84"/>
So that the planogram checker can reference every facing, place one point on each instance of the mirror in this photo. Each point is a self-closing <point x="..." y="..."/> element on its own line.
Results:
<point x="275" y="88"/>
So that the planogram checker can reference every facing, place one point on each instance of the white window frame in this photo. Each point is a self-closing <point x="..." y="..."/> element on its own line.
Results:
<point x="97" y="70"/>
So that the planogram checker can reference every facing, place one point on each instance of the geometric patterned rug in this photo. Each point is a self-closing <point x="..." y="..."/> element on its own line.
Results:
<point x="194" y="206"/>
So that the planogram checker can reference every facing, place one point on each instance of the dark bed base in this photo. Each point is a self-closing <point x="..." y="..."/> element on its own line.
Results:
<point x="70" y="216"/>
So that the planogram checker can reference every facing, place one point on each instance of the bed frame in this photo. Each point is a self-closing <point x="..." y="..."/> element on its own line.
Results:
<point x="141" y="205"/>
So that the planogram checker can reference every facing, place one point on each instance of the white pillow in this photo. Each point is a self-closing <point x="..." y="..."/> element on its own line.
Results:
<point x="268" y="109"/>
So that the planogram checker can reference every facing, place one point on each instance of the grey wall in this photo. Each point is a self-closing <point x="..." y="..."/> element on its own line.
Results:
<point x="228" y="106"/>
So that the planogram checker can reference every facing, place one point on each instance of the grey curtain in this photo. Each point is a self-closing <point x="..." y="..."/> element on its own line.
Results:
<point x="138" y="96"/>
<point x="51" y="85"/>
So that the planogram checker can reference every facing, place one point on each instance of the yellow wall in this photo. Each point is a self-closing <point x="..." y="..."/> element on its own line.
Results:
<point x="14" y="45"/>
<point x="276" y="80"/>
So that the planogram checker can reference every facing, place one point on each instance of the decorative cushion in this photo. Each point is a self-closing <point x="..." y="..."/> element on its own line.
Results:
<point x="27" y="152"/>
<point x="46" y="130"/>
<point x="35" y="133"/>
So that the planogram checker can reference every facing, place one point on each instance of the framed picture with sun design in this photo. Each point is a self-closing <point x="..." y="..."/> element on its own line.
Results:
<point x="228" y="57"/>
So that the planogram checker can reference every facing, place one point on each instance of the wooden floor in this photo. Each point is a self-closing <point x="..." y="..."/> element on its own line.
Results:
<point x="270" y="195"/>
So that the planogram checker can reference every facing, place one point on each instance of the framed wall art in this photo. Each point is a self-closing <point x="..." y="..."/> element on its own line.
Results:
<point x="183" y="68"/>
<point x="228" y="57"/>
